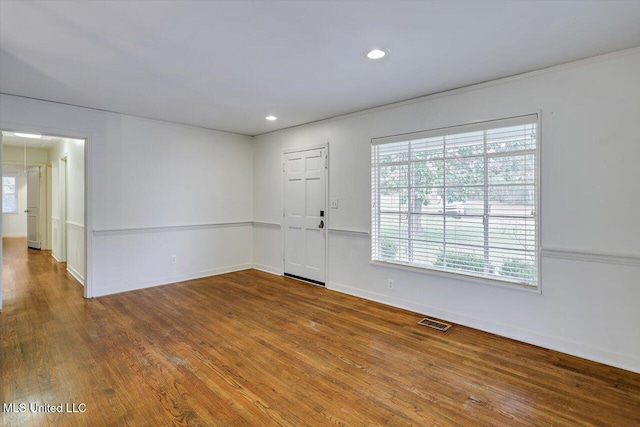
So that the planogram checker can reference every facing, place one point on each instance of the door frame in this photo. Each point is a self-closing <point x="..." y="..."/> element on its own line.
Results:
<point x="63" y="185"/>
<point x="323" y="146"/>
<point x="87" y="137"/>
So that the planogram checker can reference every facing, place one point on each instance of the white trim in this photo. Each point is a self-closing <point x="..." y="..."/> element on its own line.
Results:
<point x="327" y="213"/>
<point x="172" y="280"/>
<point x="75" y="274"/>
<point x="519" y="334"/>
<point x="322" y="146"/>
<point x="266" y="224"/>
<point x="169" y="228"/>
<point x="350" y="233"/>
<point x="632" y="260"/>
<point x="538" y="189"/>
<point x="452" y="275"/>
<point x="55" y="257"/>
<point x="88" y="216"/>
<point x="266" y="269"/>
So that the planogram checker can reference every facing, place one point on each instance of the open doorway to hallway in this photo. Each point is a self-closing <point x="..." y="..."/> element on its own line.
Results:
<point x="44" y="197"/>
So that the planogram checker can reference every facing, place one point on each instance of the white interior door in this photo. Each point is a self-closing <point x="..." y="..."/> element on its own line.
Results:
<point x="304" y="214"/>
<point x="33" y="208"/>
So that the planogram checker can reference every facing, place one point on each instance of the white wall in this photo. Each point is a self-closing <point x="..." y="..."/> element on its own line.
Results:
<point x="15" y="155"/>
<point x="590" y="189"/>
<point x="154" y="189"/>
<point x="172" y="190"/>
<point x="73" y="151"/>
<point x="15" y="224"/>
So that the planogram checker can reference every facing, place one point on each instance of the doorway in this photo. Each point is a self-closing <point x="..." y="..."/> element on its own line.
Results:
<point x="54" y="197"/>
<point x="305" y="214"/>
<point x="24" y="208"/>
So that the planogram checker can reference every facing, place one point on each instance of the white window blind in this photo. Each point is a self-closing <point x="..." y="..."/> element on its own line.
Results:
<point x="9" y="195"/>
<point x="461" y="199"/>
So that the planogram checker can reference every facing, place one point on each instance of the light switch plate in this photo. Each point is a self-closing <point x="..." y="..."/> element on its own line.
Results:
<point x="334" y="203"/>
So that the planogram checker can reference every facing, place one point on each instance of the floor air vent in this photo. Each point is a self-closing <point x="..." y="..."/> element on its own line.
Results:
<point x="435" y="324"/>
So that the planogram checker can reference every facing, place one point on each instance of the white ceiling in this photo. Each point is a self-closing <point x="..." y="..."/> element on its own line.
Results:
<point x="226" y="65"/>
<point x="44" y="143"/>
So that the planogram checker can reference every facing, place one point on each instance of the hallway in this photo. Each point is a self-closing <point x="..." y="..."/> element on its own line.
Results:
<point x="32" y="277"/>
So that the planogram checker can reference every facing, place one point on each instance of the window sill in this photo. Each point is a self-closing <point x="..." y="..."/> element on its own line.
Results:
<point x="461" y="277"/>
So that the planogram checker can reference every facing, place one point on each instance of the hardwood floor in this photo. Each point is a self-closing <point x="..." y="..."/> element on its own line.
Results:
<point x="249" y="348"/>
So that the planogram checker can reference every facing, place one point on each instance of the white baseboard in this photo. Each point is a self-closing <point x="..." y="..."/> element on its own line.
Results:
<point x="169" y="280"/>
<point x="562" y="345"/>
<point x="79" y="277"/>
<point x="56" y="257"/>
<point x="267" y="269"/>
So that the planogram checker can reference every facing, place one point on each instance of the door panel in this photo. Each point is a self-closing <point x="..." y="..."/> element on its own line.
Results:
<point x="314" y="191"/>
<point x="33" y="208"/>
<point x="295" y="203"/>
<point x="295" y="249"/>
<point x="315" y="250"/>
<point x="305" y="240"/>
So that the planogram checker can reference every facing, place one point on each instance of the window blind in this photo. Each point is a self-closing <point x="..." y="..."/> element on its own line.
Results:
<point x="460" y="199"/>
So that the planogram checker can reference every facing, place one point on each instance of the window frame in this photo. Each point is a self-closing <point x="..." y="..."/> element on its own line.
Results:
<point x="15" y="194"/>
<point x="534" y="117"/>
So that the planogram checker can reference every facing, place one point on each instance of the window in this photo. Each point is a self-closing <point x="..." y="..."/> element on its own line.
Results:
<point x="9" y="195"/>
<point x="460" y="199"/>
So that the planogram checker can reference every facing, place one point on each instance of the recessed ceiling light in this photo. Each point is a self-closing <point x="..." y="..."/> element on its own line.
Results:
<point x="376" y="53"/>
<point x="28" y="135"/>
<point x="271" y="118"/>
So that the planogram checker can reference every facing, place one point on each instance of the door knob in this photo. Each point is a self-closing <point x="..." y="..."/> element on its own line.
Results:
<point x="321" y="225"/>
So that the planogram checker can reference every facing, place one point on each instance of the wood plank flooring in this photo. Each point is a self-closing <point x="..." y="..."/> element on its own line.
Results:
<point x="252" y="349"/>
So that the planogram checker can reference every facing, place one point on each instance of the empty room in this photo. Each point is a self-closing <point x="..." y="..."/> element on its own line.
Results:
<point x="304" y="213"/>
